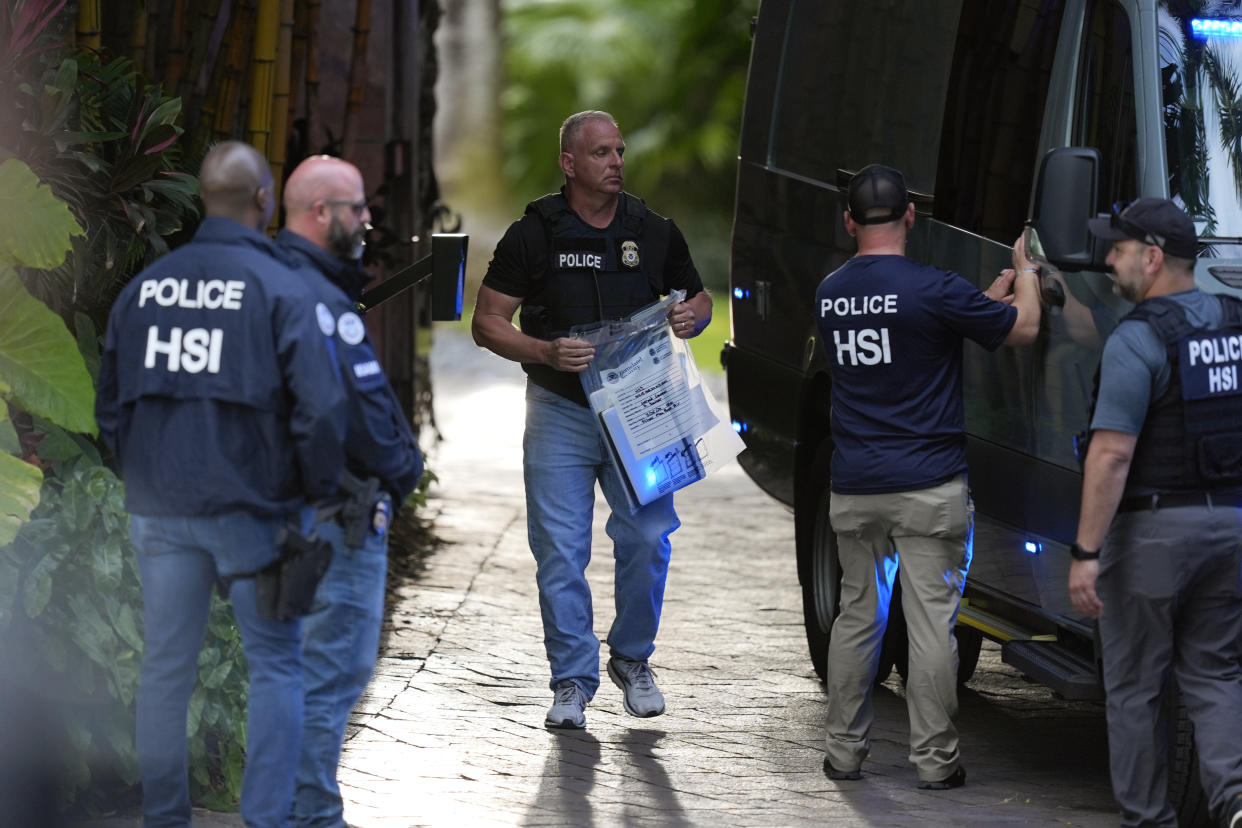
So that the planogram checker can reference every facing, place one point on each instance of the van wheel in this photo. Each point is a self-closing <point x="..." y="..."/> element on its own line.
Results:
<point x="821" y="590"/>
<point x="1186" y="792"/>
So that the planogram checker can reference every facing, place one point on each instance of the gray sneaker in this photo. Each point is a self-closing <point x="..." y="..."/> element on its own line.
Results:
<point x="568" y="710"/>
<point x="637" y="682"/>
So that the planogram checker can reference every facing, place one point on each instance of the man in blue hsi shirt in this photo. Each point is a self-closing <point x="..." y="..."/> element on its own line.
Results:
<point x="893" y="330"/>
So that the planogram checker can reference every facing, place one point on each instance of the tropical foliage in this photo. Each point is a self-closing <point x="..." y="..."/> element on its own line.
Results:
<point x="673" y="74"/>
<point x="103" y="140"/>
<point x="90" y="188"/>
<point x="40" y="368"/>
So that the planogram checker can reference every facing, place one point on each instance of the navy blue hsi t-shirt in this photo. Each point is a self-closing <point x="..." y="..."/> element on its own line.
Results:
<point x="893" y="331"/>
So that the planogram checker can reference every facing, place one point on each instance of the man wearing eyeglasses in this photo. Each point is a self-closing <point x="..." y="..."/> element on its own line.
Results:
<point x="324" y="235"/>
<point x="1159" y="544"/>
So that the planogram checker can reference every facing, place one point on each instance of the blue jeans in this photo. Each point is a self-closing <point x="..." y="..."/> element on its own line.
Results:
<point x="563" y="456"/>
<point x="340" y="640"/>
<point x="179" y="559"/>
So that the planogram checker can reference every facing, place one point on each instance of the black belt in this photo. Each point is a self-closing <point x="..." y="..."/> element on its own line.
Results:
<point x="1171" y="500"/>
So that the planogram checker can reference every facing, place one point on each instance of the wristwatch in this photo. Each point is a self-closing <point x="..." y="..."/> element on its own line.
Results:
<point x="1080" y="554"/>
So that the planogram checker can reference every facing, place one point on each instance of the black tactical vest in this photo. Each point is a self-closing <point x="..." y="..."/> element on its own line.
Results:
<point x="584" y="279"/>
<point x="1192" y="436"/>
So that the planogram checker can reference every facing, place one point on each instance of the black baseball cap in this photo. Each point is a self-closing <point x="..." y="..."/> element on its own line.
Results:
<point x="1155" y="221"/>
<point x="877" y="188"/>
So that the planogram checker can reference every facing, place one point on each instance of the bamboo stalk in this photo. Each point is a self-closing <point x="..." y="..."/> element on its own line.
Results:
<point x="200" y="73"/>
<point x="357" y="77"/>
<point x="153" y="39"/>
<point x="213" y="99"/>
<point x="234" y="71"/>
<point x="263" y="75"/>
<point x="312" y="75"/>
<point x="139" y="17"/>
<point x="176" y="60"/>
<point x="279" y="140"/>
<point x="297" y="67"/>
<point x="89" y="24"/>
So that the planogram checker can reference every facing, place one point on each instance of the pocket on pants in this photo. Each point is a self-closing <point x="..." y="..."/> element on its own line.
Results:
<point x="939" y="512"/>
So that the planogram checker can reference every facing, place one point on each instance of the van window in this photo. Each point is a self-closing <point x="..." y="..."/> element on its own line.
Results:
<point x="854" y="90"/>
<point x="998" y="86"/>
<point x="1200" y="77"/>
<point x="1105" y="102"/>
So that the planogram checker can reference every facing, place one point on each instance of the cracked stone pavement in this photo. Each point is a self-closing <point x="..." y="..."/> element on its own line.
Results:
<point x="451" y="729"/>
<point x="450" y="732"/>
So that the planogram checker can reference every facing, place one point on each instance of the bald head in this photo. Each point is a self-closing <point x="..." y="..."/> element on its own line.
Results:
<point x="326" y="203"/>
<point x="237" y="184"/>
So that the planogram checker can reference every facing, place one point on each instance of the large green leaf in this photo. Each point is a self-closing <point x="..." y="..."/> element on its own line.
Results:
<point x="9" y="443"/>
<point x="39" y="359"/>
<point x="35" y="226"/>
<point x="19" y="494"/>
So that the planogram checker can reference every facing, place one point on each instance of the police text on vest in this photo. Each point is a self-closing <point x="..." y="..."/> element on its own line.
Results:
<point x="1222" y="353"/>
<point x="579" y="260"/>
<point x="211" y="294"/>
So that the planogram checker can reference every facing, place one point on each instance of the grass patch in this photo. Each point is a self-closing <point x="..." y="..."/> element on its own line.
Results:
<point x="706" y="346"/>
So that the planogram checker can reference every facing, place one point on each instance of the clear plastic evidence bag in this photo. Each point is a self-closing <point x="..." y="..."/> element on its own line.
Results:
<point x="663" y="427"/>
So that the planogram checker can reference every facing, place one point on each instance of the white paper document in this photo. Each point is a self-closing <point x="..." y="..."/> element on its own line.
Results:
<point x="664" y="428"/>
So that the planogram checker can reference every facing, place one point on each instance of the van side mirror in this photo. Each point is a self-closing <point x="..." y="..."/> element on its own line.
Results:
<point x="1065" y="197"/>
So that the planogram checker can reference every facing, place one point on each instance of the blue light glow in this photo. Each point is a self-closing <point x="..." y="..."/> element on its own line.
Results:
<point x="1215" y="27"/>
<point x="461" y="281"/>
<point x="1033" y="547"/>
<point x="740" y="427"/>
<point x="741" y="293"/>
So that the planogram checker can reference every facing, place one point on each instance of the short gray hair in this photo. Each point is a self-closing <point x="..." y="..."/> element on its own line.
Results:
<point x="572" y="128"/>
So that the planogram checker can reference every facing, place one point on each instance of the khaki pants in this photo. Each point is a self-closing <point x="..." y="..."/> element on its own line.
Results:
<point x="929" y="532"/>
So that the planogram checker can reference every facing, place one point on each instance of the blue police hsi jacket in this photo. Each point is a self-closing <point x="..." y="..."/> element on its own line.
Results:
<point x="379" y="440"/>
<point x="217" y="388"/>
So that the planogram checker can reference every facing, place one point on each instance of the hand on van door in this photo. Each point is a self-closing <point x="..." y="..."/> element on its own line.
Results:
<point x="1025" y="281"/>
<point x="1001" y="288"/>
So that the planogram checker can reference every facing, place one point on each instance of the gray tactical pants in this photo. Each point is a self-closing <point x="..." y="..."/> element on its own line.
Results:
<point x="1172" y="594"/>
<point x="930" y="530"/>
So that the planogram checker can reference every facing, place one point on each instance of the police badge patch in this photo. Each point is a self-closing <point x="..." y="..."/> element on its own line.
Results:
<point x="326" y="323"/>
<point x="629" y="253"/>
<point x="350" y="328"/>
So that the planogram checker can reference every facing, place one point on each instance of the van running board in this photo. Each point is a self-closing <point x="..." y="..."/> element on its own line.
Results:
<point x="1063" y="671"/>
